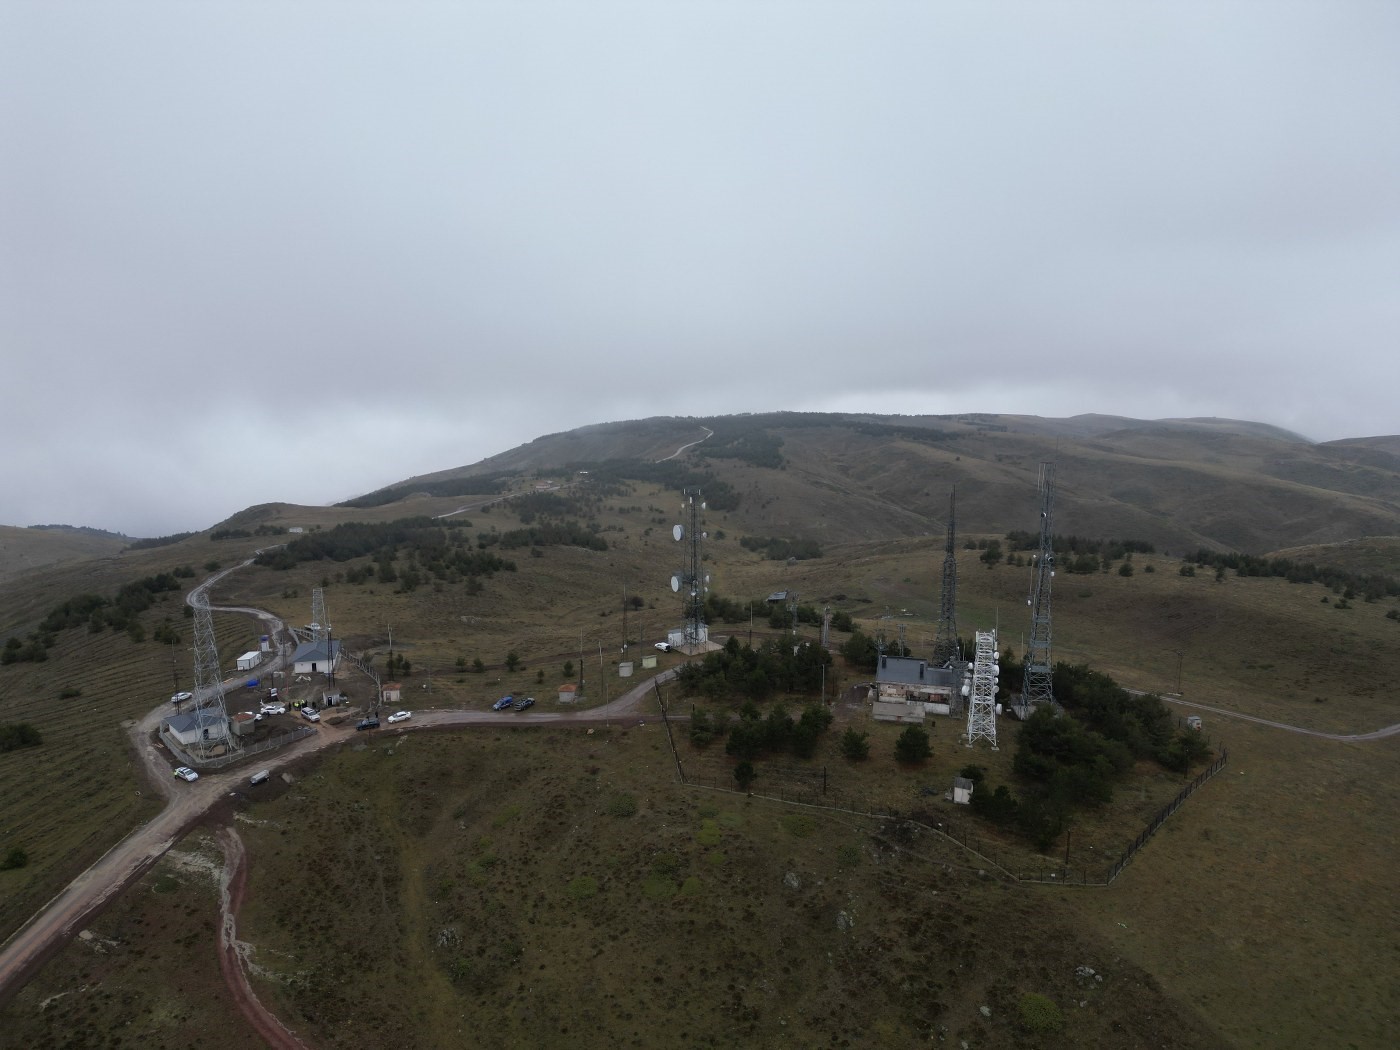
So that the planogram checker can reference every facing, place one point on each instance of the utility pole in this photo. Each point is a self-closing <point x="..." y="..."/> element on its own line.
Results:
<point x="607" y="718"/>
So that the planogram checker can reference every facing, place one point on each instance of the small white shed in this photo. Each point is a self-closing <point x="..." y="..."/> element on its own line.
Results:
<point x="962" y="790"/>
<point x="249" y="660"/>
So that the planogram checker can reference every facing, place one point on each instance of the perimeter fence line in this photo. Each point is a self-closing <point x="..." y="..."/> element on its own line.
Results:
<point x="236" y="755"/>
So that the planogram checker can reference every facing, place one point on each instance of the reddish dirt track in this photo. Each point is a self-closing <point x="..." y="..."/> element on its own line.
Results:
<point x="231" y="888"/>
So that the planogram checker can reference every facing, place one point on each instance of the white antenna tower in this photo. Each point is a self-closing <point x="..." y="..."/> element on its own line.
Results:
<point x="320" y="626"/>
<point x="210" y="714"/>
<point x="982" y="710"/>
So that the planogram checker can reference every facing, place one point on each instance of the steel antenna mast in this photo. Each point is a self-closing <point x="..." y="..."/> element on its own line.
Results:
<point x="320" y="626"/>
<point x="945" y="645"/>
<point x="690" y="582"/>
<point x="1037" y="685"/>
<point x="211" y="716"/>
<point x="981" y="708"/>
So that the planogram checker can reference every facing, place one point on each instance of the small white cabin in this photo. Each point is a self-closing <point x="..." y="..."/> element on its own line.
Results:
<point x="962" y="790"/>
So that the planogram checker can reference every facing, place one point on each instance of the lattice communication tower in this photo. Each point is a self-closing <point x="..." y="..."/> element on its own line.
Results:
<point x="945" y="645"/>
<point x="320" y="626"/>
<point x="209" y="709"/>
<point x="982" y="704"/>
<point x="689" y="581"/>
<point x="1037" y="686"/>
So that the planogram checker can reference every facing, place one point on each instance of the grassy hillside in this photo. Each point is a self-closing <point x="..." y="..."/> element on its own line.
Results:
<point x="68" y="800"/>
<point x="30" y="550"/>
<point x="1180" y="484"/>
<point x="458" y="858"/>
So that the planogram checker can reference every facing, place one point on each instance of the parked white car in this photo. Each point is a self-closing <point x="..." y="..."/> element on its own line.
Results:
<point x="274" y="709"/>
<point x="310" y="715"/>
<point x="665" y="647"/>
<point x="180" y="698"/>
<point x="186" y="773"/>
<point x="400" y="716"/>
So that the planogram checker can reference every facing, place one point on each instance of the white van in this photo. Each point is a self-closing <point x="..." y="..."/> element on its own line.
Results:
<point x="260" y="777"/>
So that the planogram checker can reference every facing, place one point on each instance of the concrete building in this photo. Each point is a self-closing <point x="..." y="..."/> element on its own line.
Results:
<point x="313" y="657"/>
<point x="908" y="688"/>
<point x="675" y="637"/>
<point x="198" y="728"/>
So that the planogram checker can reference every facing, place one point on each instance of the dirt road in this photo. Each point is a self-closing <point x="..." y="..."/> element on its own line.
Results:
<point x="708" y="434"/>
<point x="67" y="913"/>
<point x="232" y="883"/>
<point x="1375" y="734"/>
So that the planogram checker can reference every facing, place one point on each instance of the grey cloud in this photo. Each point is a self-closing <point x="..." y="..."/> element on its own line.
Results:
<point x="421" y="234"/>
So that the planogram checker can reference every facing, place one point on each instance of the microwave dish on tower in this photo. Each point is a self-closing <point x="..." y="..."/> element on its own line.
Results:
<point x="690" y="582"/>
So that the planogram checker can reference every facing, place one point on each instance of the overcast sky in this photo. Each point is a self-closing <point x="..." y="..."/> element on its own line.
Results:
<point x="295" y="250"/>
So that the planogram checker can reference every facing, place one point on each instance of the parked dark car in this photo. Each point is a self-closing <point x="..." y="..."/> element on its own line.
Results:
<point x="368" y="723"/>
<point x="529" y="701"/>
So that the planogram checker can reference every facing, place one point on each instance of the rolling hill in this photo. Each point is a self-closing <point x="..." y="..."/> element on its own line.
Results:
<point x="497" y="848"/>
<point x="24" y="550"/>
<point x="1180" y="484"/>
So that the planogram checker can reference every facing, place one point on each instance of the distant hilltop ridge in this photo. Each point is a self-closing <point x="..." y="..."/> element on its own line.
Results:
<point x="85" y="530"/>
<point x="1181" y="484"/>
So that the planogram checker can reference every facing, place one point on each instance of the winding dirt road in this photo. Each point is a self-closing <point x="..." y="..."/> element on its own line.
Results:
<point x="61" y="918"/>
<point x="708" y="434"/>
<point x="232" y="882"/>
<point x="1375" y="734"/>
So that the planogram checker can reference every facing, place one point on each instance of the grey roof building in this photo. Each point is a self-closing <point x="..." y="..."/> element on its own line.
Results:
<point x="915" y="675"/>
<point x="312" y="657"/>
<point x="196" y="726"/>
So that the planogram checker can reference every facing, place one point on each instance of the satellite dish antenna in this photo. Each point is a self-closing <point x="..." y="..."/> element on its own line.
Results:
<point x="675" y="583"/>
<point x="704" y="506"/>
<point x="707" y="577"/>
<point x="704" y="535"/>
<point x="677" y="531"/>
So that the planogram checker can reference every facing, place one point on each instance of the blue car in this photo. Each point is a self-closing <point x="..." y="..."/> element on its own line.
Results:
<point x="503" y="703"/>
